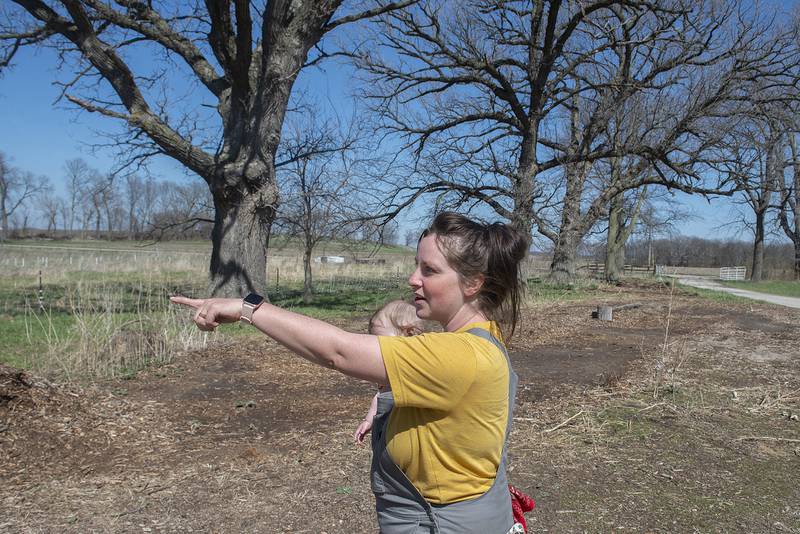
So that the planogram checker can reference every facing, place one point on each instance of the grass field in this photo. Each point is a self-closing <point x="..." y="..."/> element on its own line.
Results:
<point x="95" y="308"/>
<point x="278" y="245"/>
<point x="783" y="288"/>
<point x="82" y="309"/>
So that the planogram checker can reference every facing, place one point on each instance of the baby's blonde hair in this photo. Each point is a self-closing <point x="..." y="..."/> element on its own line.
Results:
<point x="402" y="318"/>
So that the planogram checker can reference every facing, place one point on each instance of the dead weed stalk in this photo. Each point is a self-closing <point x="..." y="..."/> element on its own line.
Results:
<point x="107" y="337"/>
<point x="672" y="356"/>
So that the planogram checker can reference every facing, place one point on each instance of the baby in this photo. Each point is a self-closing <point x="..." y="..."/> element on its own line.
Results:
<point x="395" y="318"/>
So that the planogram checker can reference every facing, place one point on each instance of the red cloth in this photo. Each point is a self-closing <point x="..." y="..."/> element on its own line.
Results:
<point x="520" y="503"/>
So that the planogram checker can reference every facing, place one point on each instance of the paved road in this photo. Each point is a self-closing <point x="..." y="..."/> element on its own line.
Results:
<point x="711" y="283"/>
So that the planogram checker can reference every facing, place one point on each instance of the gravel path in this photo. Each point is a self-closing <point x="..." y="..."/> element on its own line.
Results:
<point x="704" y="282"/>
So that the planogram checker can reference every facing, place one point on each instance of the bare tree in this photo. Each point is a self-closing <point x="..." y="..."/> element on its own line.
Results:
<point x="659" y="217"/>
<point x="758" y="145"/>
<point x="141" y="197"/>
<point x="133" y="192"/>
<point x="789" y="214"/>
<point x="411" y="237"/>
<point x="245" y="55"/>
<point x="512" y="101"/>
<point x="98" y="210"/>
<point x="111" y="205"/>
<point x="66" y="215"/>
<point x="78" y="177"/>
<point x="49" y="205"/>
<point x="16" y="188"/>
<point x="323" y="164"/>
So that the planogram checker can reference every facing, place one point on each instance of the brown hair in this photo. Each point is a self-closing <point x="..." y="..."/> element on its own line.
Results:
<point x="402" y="317"/>
<point x="494" y="251"/>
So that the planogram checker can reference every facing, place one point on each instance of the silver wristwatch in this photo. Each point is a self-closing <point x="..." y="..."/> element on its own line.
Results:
<point x="249" y="305"/>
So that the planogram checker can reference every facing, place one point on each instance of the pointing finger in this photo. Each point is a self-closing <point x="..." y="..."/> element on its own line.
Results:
<point x="186" y="301"/>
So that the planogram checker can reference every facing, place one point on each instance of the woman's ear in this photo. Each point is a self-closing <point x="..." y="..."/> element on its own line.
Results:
<point x="473" y="285"/>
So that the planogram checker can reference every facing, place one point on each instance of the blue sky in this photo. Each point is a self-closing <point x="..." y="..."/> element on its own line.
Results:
<point x="40" y="136"/>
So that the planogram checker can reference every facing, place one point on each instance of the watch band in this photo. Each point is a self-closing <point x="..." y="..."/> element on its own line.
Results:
<point x="249" y="305"/>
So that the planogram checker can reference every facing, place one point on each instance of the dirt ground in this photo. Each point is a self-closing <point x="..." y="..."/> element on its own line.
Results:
<point x="681" y="415"/>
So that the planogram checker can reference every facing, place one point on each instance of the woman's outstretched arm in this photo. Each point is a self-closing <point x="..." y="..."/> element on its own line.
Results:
<point x="356" y="355"/>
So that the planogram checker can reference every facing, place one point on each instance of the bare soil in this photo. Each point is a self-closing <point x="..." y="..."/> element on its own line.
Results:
<point x="678" y="416"/>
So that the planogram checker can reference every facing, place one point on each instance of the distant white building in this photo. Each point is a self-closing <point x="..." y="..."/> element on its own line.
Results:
<point x="329" y="259"/>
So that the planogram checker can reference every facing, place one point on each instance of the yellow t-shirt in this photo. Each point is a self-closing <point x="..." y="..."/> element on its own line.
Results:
<point x="447" y="428"/>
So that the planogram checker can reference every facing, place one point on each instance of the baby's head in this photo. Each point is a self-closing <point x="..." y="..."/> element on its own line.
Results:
<point x="396" y="318"/>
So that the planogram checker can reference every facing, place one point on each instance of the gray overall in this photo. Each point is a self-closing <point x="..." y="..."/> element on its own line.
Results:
<point x="403" y="510"/>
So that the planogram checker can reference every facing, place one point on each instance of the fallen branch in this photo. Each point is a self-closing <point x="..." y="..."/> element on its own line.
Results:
<point x="564" y="423"/>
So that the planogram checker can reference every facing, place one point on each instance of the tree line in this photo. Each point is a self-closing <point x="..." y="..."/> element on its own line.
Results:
<point x="101" y="205"/>
<point x="692" y="251"/>
<point x="564" y="118"/>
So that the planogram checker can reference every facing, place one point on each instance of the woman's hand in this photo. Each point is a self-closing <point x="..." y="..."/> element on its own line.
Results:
<point x="210" y="313"/>
<point x="362" y="430"/>
<point x="366" y="424"/>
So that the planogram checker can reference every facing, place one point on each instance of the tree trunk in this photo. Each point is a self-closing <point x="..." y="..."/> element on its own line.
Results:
<point x="131" y="221"/>
<point x="615" y="261"/>
<point x="3" y="217"/>
<point x="109" y="223"/>
<point x="240" y="240"/>
<point x="619" y="233"/>
<point x="308" y="283"/>
<point x="615" y="244"/>
<point x="789" y="214"/>
<point x="563" y="268"/>
<point x="570" y="231"/>
<point x="523" y="188"/>
<point x="758" y="250"/>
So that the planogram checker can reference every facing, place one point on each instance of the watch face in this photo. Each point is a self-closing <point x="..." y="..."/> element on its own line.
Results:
<point x="254" y="299"/>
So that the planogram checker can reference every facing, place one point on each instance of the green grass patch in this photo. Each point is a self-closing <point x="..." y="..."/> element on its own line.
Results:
<point x="345" y="302"/>
<point x="782" y="288"/>
<point x="119" y="292"/>
<point x="89" y="343"/>
<point x="23" y="336"/>
<point x="626" y="421"/>
<point x="89" y="312"/>
<point x="718" y="296"/>
<point x="539" y="290"/>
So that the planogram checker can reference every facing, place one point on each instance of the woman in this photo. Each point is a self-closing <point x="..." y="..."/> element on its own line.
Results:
<point x="439" y="436"/>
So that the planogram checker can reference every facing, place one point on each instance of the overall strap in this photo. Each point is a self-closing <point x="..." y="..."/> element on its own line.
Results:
<point x="485" y="334"/>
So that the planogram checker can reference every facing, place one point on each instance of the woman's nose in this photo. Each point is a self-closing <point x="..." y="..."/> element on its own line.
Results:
<point x="413" y="280"/>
